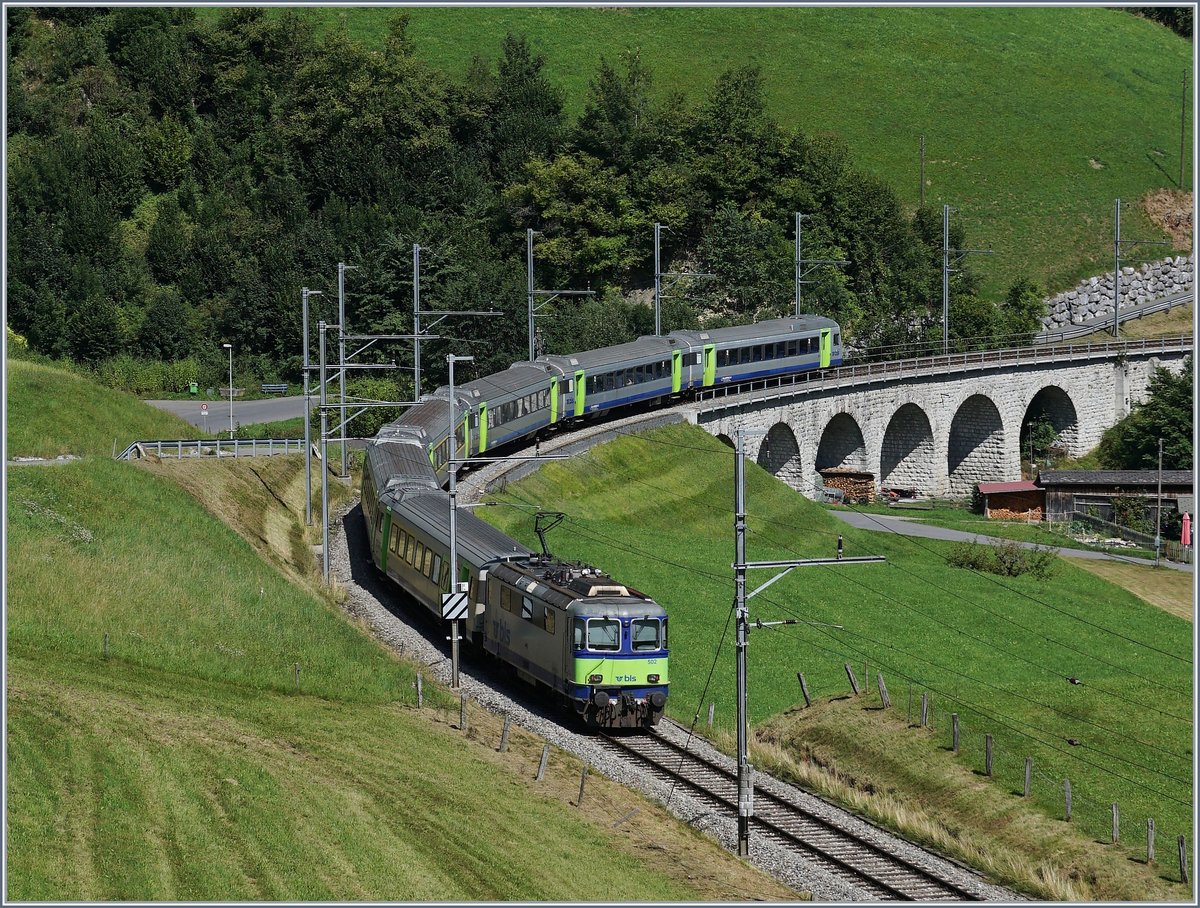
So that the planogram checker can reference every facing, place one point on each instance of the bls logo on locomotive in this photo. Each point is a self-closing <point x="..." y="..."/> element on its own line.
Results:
<point x="501" y="632"/>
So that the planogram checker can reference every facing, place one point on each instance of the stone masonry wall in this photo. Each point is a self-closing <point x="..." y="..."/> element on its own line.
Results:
<point x="1093" y="298"/>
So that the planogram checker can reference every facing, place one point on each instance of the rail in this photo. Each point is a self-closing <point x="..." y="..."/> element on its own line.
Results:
<point x="890" y="370"/>
<point x="213" y="447"/>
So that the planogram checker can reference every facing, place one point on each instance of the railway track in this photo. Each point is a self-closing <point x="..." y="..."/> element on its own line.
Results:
<point x="866" y="864"/>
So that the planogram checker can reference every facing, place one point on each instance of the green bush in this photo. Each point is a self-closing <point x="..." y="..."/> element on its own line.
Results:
<point x="1008" y="559"/>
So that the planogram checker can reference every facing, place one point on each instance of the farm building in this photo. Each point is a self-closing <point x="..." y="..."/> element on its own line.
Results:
<point x="1070" y="491"/>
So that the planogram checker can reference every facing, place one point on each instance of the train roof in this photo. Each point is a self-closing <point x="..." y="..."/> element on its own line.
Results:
<point x="640" y="350"/>
<point x="770" y="328"/>
<point x="398" y="461"/>
<point x="478" y="540"/>
<point x="577" y="588"/>
<point x="518" y="379"/>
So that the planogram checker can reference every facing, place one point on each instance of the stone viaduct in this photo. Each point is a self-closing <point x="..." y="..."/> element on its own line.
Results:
<point x="941" y="424"/>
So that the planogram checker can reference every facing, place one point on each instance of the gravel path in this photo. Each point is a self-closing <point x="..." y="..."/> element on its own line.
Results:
<point x="381" y="605"/>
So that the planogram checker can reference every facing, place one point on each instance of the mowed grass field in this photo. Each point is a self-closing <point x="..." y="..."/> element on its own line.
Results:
<point x="186" y="765"/>
<point x="656" y="511"/>
<point x="1035" y="120"/>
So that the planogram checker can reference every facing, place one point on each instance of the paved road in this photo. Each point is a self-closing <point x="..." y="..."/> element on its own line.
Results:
<point x="906" y="526"/>
<point x="245" y="412"/>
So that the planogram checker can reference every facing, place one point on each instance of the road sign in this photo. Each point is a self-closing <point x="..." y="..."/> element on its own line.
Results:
<point x="204" y="409"/>
<point x="454" y="606"/>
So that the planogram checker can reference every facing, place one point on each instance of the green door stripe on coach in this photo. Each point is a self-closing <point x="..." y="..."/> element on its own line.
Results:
<point x="580" y="392"/>
<point x="710" y="364"/>
<point x="483" y="427"/>
<point x="554" y="399"/>
<point x="383" y="540"/>
<point x="826" y="347"/>
<point x="676" y="371"/>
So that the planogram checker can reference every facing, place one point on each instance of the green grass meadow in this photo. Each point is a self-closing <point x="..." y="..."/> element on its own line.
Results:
<point x="52" y="411"/>
<point x="184" y="764"/>
<point x="656" y="511"/>
<point x="1035" y="120"/>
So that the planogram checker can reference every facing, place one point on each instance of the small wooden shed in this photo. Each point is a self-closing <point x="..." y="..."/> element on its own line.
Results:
<point x="1022" y="500"/>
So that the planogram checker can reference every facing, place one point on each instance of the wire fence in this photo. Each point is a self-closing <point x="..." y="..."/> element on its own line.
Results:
<point x="990" y="752"/>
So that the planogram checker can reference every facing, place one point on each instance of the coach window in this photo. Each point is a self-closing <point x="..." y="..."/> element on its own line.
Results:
<point x="645" y="634"/>
<point x="548" y="623"/>
<point x="526" y="608"/>
<point x="436" y="574"/>
<point x="604" y="634"/>
<point x="427" y="561"/>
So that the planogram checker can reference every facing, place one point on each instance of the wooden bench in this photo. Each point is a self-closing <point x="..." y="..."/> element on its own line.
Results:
<point x="280" y="388"/>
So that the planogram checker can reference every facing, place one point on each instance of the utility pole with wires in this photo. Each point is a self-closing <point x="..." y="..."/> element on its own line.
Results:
<point x="533" y="294"/>
<point x="740" y="567"/>
<point x="811" y="263"/>
<point x="305" y="293"/>
<point x="342" y="269"/>
<point x="959" y="255"/>
<point x="442" y="314"/>
<point x="1158" y="513"/>
<point x="659" y="274"/>
<point x="1117" y="244"/>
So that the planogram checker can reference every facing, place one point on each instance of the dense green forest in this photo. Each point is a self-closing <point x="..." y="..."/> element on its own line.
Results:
<point x="174" y="181"/>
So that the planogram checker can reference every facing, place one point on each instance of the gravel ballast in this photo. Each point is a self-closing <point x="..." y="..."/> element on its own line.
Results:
<point x="380" y="605"/>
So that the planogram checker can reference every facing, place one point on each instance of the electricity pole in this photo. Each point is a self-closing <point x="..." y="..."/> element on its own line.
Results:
<point x="342" y="269"/>
<point x="1158" y="512"/>
<point x="532" y="294"/>
<point x="741" y="565"/>
<point x="1117" y="244"/>
<point x="812" y="263"/>
<point x="418" y="312"/>
<point x="959" y="255"/>
<point x="305" y="293"/>
<point x="452" y="468"/>
<point x="659" y="274"/>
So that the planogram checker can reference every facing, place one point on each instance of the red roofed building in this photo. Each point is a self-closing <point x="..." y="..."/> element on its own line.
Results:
<point x="1023" y="500"/>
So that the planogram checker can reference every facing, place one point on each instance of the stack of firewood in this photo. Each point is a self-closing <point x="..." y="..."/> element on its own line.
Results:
<point x="858" y="487"/>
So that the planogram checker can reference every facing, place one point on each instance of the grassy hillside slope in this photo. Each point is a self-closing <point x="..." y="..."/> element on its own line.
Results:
<point x="52" y="412"/>
<point x="186" y="766"/>
<point x="655" y="509"/>
<point x="1035" y="120"/>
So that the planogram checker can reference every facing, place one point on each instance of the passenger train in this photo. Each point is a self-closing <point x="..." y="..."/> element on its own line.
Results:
<point x="595" y="643"/>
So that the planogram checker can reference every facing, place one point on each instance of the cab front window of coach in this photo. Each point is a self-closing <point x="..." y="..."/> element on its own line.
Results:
<point x="644" y="636"/>
<point x="604" y="634"/>
<point x="580" y="630"/>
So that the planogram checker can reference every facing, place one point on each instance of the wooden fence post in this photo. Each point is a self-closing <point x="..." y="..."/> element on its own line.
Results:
<point x="296" y="670"/>
<point x="1183" y="870"/>
<point x="462" y="712"/>
<point x="883" y="693"/>
<point x="924" y="709"/>
<point x="420" y="689"/>
<point x="1150" y="840"/>
<point x="866" y="675"/>
<point x="987" y="755"/>
<point x="542" y="766"/>
<point x="1067" y="796"/>
<point x="1116" y="823"/>
<point x="954" y="731"/>
<point x="582" y="781"/>
<point x="804" y="689"/>
<point x="504" y="733"/>
<point x="1028" y="774"/>
<point x="853" y="680"/>
<point x="712" y="707"/>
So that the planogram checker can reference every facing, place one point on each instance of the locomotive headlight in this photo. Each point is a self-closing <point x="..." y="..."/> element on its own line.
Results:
<point x="652" y="679"/>
<point x="595" y="679"/>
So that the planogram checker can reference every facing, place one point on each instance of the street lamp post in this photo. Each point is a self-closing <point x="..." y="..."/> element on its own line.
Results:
<point x="229" y="347"/>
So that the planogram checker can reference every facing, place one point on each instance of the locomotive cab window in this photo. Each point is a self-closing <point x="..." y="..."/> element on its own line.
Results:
<point x="604" y="634"/>
<point x="644" y="634"/>
<point x="580" y="630"/>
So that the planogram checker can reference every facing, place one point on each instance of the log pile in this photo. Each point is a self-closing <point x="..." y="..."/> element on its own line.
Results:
<point x="1030" y="514"/>
<point x="859" y="487"/>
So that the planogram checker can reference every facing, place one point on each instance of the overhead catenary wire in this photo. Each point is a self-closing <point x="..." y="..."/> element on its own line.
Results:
<point x="1004" y="721"/>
